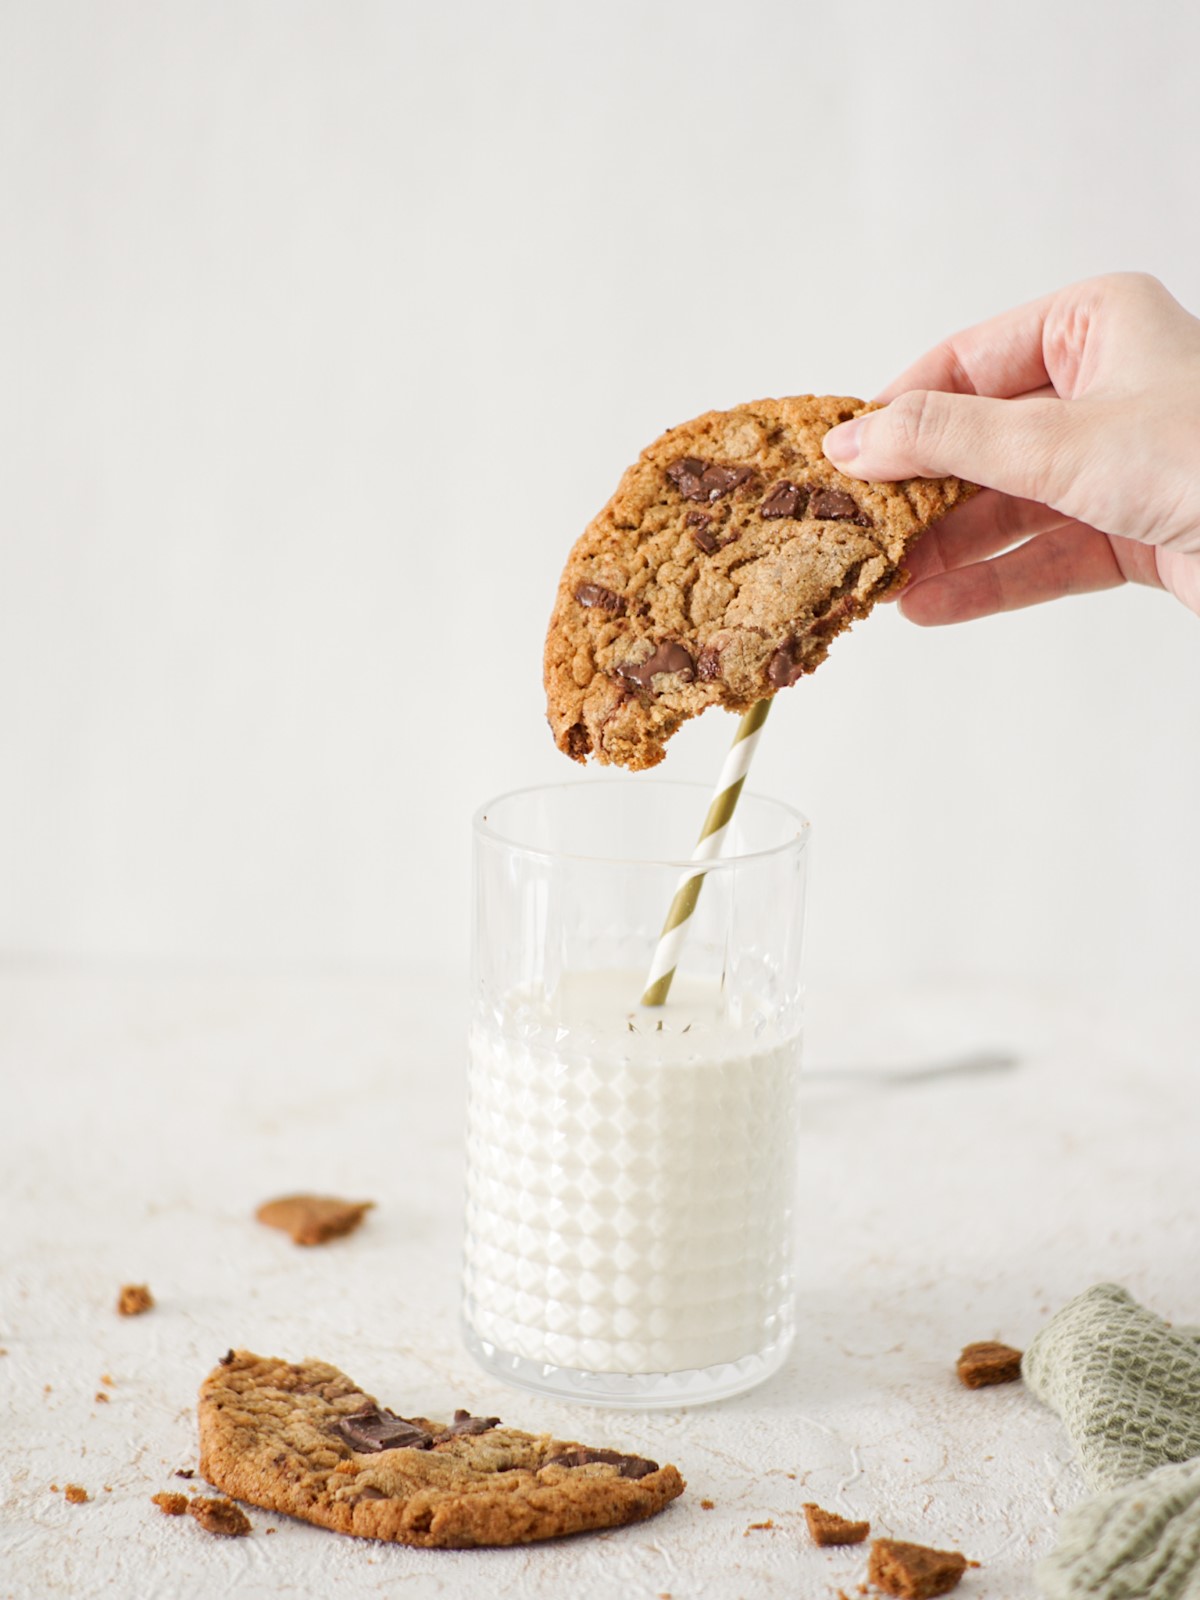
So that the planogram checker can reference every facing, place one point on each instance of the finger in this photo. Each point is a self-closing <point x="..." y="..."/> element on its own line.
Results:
<point x="1031" y="448"/>
<point x="978" y="528"/>
<point x="1069" y="560"/>
<point x="1002" y="356"/>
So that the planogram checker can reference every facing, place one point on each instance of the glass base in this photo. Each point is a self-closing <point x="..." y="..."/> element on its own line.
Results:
<point x="631" y="1391"/>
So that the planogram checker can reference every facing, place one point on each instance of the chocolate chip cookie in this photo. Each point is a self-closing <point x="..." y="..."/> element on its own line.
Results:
<point x="730" y="556"/>
<point x="304" y="1439"/>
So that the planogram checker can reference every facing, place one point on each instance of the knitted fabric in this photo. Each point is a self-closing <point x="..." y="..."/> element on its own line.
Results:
<point x="1127" y="1388"/>
<point x="1141" y="1542"/>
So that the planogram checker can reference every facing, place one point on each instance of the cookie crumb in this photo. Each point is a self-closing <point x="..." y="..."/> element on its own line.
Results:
<point x="983" y="1364"/>
<point x="826" y="1527"/>
<point x="914" y="1571"/>
<point x="707" y="1505"/>
<point x="53" y="1488"/>
<point x="217" y="1515"/>
<point x="754" y="1525"/>
<point x="313" y="1218"/>
<point x="106" y="1380"/>
<point x="134" y="1299"/>
<point x="171" y="1505"/>
<point x="185" y="1472"/>
<point x="100" y="1397"/>
<point x="271" y="1530"/>
<point x="76" y="1494"/>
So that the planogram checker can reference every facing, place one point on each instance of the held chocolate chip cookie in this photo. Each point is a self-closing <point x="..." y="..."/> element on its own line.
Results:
<point x="305" y="1440"/>
<point x="730" y="556"/>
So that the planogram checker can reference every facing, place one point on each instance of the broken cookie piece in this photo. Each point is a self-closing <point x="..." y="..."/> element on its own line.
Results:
<point x="914" y="1571"/>
<point x="313" y="1218"/>
<point x="983" y="1364"/>
<point x="826" y="1527"/>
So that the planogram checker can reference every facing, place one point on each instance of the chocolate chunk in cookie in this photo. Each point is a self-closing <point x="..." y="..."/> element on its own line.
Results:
<point x="302" y="1438"/>
<point x="376" y="1428"/>
<point x="835" y="505"/>
<point x="733" y="553"/>
<point x="785" y="500"/>
<point x="465" y="1426"/>
<point x="705" y="480"/>
<point x="668" y="658"/>
<point x="627" y="1466"/>
<point x="595" y="594"/>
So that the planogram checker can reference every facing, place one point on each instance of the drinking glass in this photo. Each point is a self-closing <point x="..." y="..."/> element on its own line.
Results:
<point x="631" y="1169"/>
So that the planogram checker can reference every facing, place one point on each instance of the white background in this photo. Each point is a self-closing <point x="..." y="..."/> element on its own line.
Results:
<point x="325" y="328"/>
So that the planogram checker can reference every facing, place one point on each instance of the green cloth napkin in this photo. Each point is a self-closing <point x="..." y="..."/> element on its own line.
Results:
<point x="1127" y="1387"/>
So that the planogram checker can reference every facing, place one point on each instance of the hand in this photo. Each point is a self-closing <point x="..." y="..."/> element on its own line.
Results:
<point x="1080" y="414"/>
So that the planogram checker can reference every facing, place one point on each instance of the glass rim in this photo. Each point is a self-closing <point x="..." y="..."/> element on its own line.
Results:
<point x="797" y="842"/>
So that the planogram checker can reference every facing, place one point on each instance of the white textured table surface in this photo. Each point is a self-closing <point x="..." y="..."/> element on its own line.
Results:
<point x="143" y="1117"/>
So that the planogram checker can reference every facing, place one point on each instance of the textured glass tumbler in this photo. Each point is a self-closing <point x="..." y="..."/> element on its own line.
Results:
<point x="631" y="1170"/>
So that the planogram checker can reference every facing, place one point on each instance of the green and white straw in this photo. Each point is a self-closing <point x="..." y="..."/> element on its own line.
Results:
<point x="708" y="848"/>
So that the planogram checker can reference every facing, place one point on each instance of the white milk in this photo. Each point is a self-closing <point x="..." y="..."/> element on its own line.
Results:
<point x="630" y="1180"/>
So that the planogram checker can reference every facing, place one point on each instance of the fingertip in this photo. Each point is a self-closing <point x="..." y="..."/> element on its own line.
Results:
<point x="923" y="604"/>
<point x="841" y="445"/>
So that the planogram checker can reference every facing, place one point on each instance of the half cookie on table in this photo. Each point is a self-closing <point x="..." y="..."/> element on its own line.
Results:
<point x="302" y="1438"/>
<point x="730" y="556"/>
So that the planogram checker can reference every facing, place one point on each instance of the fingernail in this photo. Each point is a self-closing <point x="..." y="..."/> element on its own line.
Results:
<point x="841" y="443"/>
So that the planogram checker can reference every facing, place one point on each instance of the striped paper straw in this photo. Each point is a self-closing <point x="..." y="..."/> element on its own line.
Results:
<point x="708" y="848"/>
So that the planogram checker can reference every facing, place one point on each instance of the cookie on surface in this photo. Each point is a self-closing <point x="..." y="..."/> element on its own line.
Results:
<point x="730" y="556"/>
<point x="302" y="1438"/>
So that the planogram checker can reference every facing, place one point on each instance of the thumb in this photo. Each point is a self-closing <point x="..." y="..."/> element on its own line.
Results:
<point x="1031" y="448"/>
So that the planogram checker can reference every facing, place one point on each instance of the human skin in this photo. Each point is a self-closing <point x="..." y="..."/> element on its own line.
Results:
<point x="1080" y="415"/>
